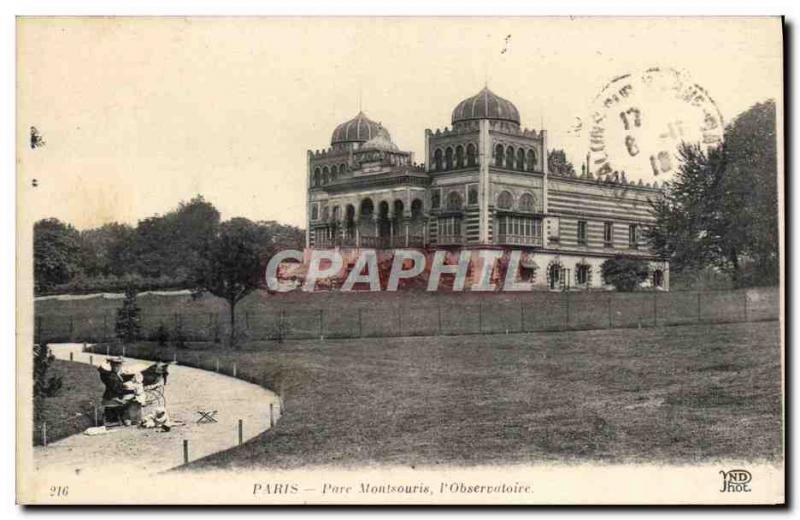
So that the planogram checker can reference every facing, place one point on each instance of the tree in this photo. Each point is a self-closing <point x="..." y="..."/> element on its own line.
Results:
<point x="558" y="164"/>
<point x="720" y="209"/>
<point x="232" y="264"/>
<point x="56" y="253"/>
<point x="44" y="386"/>
<point x="107" y="250"/>
<point x="624" y="273"/>
<point x="128" y="326"/>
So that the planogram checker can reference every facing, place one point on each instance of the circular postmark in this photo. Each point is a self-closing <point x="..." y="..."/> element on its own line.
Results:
<point x="639" y="121"/>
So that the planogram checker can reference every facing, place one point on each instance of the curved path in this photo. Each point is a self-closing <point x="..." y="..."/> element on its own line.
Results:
<point x="149" y="450"/>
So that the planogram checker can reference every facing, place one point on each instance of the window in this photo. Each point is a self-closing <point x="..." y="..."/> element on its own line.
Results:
<point x="342" y="169"/>
<point x="459" y="156"/>
<point x="582" y="232"/>
<point x="658" y="278"/>
<point x="416" y="208"/>
<point x="334" y="171"/>
<point x="437" y="159"/>
<point x="510" y="158"/>
<point x="367" y="208"/>
<point x="449" y="227"/>
<point x="325" y="175"/>
<point x="472" y="194"/>
<point x="315" y="181"/>
<point x="608" y="234"/>
<point x="582" y="274"/>
<point x="505" y="200"/>
<point x="526" y="202"/>
<point x="336" y="213"/>
<point x="531" y="160"/>
<point x="521" y="159"/>
<point x="470" y="154"/>
<point x="499" y="156"/>
<point x="436" y="199"/>
<point x="454" y="200"/>
<point x="513" y="229"/>
<point x="448" y="159"/>
<point x="633" y="236"/>
<point x="314" y="212"/>
<point x="325" y="213"/>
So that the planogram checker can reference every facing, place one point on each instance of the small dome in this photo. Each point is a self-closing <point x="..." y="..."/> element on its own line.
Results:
<point x="381" y="141"/>
<point x="486" y="105"/>
<point x="358" y="130"/>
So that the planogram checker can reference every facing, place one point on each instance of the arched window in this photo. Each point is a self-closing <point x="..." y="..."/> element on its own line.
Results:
<point x="314" y="212"/>
<point x="526" y="202"/>
<point x="531" y="160"/>
<point x="583" y="274"/>
<point x="521" y="159"/>
<point x="334" y="172"/>
<point x="336" y="213"/>
<point x="342" y="169"/>
<point x="510" y="157"/>
<point x="367" y="208"/>
<point x="325" y="175"/>
<point x="437" y="159"/>
<point x="505" y="200"/>
<point x="499" y="156"/>
<point x="470" y="154"/>
<point x="454" y="200"/>
<point x="398" y="209"/>
<point x="459" y="156"/>
<point x="315" y="181"/>
<point x="325" y="213"/>
<point x="448" y="158"/>
<point x="658" y="278"/>
<point x="416" y="208"/>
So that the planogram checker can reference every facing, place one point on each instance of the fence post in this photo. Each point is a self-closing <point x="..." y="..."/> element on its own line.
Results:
<point x="271" y="415"/>
<point x="698" y="306"/>
<point x="745" y="305"/>
<point x="94" y="406"/>
<point x="44" y="434"/>
<point x="234" y="370"/>
<point x="240" y="432"/>
<point x="175" y="357"/>
<point x="655" y="308"/>
<point x="91" y="360"/>
<point x="123" y="350"/>
<point x="70" y="356"/>
<point x="186" y="451"/>
<point x="217" y="364"/>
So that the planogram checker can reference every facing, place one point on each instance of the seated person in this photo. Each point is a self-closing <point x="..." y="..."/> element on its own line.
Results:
<point x="119" y="391"/>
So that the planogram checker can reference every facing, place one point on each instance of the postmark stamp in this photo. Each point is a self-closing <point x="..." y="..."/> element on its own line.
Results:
<point x="638" y="122"/>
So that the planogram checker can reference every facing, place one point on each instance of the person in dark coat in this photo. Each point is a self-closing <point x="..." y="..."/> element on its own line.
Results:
<point x="116" y="393"/>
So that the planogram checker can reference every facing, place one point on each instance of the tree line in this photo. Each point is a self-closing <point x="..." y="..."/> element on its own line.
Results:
<point x="169" y="251"/>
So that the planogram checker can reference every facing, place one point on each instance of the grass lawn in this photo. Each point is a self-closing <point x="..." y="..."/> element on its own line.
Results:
<point x="667" y="394"/>
<point x="71" y="410"/>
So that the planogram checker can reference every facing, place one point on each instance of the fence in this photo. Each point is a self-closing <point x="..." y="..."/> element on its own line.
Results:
<point x="45" y="432"/>
<point x="529" y="312"/>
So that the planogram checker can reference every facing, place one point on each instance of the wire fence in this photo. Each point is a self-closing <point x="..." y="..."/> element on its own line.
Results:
<point x="531" y="312"/>
<point x="47" y="431"/>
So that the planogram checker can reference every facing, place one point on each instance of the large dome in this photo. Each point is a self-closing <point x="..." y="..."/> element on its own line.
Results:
<point x="382" y="141"/>
<point x="360" y="129"/>
<point x="486" y="105"/>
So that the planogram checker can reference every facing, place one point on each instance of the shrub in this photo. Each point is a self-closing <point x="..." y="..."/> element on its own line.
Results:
<point x="624" y="273"/>
<point x="161" y="335"/>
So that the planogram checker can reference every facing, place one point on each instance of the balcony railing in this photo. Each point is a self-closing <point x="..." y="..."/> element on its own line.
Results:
<point x="519" y="240"/>
<point x="372" y="242"/>
<point x="444" y="240"/>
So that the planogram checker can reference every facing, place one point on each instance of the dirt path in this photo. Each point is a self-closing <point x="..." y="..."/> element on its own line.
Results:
<point x="150" y="451"/>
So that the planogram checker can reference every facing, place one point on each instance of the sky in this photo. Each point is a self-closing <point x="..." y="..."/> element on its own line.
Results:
<point x="138" y="114"/>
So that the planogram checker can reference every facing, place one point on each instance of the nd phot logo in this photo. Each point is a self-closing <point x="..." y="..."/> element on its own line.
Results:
<point x="735" y="481"/>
